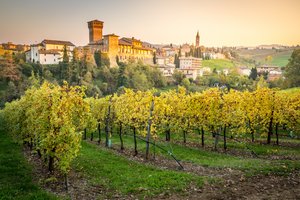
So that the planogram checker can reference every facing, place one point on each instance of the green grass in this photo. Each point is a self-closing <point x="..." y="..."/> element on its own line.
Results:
<point x="15" y="173"/>
<point x="219" y="64"/>
<point x="280" y="57"/>
<point x="281" y="60"/>
<point x="220" y="160"/>
<point x="116" y="173"/>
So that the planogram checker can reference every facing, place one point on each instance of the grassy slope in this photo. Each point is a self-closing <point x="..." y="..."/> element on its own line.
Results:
<point x="220" y="160"/>
<point x="116" y="173"/>
<point x="219" y="64"/>
<point x="15" y="173"/>
<point x="280" y="58"/>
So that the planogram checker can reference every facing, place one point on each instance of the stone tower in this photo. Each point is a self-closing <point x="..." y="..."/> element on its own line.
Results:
<point x="111" y="46"/>
<point x="95" y="28"/>
<point x="197" y="39"/>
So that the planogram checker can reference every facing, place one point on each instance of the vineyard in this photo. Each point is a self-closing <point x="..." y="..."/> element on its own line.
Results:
<point x="175" y="131"/>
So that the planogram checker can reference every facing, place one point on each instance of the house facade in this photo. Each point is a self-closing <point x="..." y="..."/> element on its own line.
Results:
<point x="190" y="66"/>
<point x="49" y="52"/>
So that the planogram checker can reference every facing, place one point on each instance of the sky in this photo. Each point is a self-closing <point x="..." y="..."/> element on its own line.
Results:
<point x="219" y="22"/>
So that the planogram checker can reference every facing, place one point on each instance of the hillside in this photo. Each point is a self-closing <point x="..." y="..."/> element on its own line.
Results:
<point x="279" y="57"/>
<point x="218" y="64"/>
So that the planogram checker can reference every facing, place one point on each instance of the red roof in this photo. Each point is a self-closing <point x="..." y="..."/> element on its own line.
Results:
<point x="58" y="42"/>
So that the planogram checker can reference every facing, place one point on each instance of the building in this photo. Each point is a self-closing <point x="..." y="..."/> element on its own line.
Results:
<point x="9" y="46"/>
<point x="49" y="52"/>
<point x="167" y="70"/>
<point x="274" y="74"/>
<point x="190" y="66"/>
<point x="133" y="49"/>
<point x="169" y="50"/>
<point x="126" y="49"/>
<point x="197" y="40"/>
<point x="245" y="71"/>
<point x="185" y="49"/>
<point x="266" y="68"/>
<point x="95" y="31"/>
<point x="12" y="48"/>
<point x="161" y="61"/>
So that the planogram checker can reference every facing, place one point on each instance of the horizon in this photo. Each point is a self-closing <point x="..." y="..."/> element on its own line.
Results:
<point x="231" y="23"/>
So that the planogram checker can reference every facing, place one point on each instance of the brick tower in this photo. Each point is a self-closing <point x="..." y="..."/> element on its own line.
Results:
<point x="197" y="39"/>
<point x="95" y="28"/>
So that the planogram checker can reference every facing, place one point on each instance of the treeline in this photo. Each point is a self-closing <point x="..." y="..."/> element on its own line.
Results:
<point x="91" y="71"/>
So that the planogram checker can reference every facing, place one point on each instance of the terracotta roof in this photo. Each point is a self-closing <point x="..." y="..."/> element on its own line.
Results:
<point x="51" y="51"/>
<point x="58" y="42"/>
<point x="111" y="35"/>
<point x="124" y="42"/>
<point x="143" y="48"/>
<point x="96" y="21"/>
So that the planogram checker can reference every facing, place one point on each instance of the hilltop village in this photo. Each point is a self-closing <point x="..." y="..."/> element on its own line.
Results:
<point x="186" y="58"/>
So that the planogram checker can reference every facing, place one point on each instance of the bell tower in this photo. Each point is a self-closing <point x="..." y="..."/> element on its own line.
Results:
<point x="95" y="31"/>
<point x="197" y="39"/>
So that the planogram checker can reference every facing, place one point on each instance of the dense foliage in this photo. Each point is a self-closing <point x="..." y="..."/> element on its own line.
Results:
<point x="49" y="119"/>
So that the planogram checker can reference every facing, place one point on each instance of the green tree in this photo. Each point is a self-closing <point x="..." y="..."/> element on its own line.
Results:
<point x="154" y="58"/>
<point x="292" y="69"/>
<point x="253" y="74"/>
<point x="65" y="55"/>
<point x="97" y="57"/>
<point x="178" y="76"/>
<point x="186" y="83"/>
<point x="176" y="61"/>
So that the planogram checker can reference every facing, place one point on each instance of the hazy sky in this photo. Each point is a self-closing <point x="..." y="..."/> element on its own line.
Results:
<point x="220" y="22"/>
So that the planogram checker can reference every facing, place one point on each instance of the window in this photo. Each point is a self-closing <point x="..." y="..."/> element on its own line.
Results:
<point x="35" y="54"/>
<point x="45" y="59"/>
<point x="54" y="60"/>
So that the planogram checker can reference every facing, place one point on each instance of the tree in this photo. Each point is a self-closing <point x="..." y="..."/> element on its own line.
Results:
<point x="176" y="61"/>
<point x="65" y="55"/>
<point x="268" y="59"/>
<point x="97" y="57"/>
<point x="8" y="69"/>
<point x="154" y="58"/>
<point x="253" y="73"/>
<point x="178" y="76"/>
<point x="293" y="69"/>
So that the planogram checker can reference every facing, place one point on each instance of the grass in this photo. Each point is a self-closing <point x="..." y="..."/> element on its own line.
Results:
<point x="220" y="160"/>
<point x="104" y="168"/>
<point x="281" y="60"/>
<point x="219" y="64"/>
<point x="16" y="174"/>
<point x="280" y="57"/>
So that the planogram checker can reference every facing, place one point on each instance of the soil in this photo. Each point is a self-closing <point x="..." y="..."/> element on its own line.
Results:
<point x="233" y="185"/>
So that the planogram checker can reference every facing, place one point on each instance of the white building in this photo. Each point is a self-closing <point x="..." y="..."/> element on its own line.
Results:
<point x="49" y="52"/>
<point x="244" y="71"/>
<point x="190" y="66"/>
<point x="161" y="60"/>
<point x="167" y="70"/>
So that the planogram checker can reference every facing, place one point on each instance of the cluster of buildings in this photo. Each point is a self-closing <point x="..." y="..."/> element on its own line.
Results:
<point x="167" y="58"/>
<point x="274" y="72"/>
<point x="12" y="48"/>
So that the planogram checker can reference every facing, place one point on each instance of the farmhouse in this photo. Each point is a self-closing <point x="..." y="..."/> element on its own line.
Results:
<point x="49" y="52"/>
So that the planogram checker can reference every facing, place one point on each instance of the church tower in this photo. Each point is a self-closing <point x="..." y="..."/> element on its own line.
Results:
<point x="197" y="39"/>
<point x="95" y="28"/>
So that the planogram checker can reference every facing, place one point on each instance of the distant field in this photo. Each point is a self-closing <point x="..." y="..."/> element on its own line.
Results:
<point x="218" y="64"/>
<point x="280" y="57"/>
